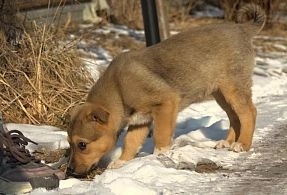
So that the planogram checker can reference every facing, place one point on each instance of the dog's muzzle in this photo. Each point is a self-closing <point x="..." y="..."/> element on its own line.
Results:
<point x="70" y="172"/>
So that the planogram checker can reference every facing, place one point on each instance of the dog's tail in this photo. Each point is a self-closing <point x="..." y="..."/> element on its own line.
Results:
<point x="252" y="15"/>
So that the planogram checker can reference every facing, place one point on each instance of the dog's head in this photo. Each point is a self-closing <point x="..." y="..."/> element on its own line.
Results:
<point x="91" y="136"/>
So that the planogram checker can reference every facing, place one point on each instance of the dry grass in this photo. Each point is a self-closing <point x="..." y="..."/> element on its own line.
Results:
<point x="126" y="12"/>
<point x="42" y="79"/>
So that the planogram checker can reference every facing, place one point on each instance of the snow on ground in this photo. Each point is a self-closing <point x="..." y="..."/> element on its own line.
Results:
<point x="198" y="128"/>
<point x="208" y="11"/>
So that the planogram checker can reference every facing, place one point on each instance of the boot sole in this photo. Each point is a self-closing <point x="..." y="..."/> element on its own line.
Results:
<point x="14" y="187"/>
<point x="47" y="182"/>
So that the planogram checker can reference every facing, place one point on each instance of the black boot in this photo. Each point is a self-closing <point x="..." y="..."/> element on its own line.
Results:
<point x="20" y="172"/>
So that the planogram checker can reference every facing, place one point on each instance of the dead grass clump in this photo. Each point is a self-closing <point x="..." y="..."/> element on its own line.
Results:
<point x="126" y="12"/>
<point x="42" y="79"/>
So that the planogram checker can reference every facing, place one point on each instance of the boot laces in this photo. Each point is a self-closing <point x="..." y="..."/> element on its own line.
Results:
<point x="13" y="147"/>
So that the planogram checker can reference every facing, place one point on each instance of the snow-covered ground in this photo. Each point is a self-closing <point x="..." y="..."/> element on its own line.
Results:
<point x="198" y="128"/>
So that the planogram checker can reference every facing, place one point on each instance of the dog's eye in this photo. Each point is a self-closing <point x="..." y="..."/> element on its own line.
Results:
<point x="82" y="145"/>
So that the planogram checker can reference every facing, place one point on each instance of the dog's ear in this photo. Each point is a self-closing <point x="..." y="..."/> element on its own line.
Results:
<point x="99" y="115"/>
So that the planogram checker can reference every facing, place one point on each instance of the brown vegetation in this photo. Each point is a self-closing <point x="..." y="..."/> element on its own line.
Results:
<point x="126" y="12"/>
<point x="129" y="12"/>
<point x="41" y="79"/>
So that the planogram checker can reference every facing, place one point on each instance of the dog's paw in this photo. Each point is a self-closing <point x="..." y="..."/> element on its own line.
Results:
<point x="222" y="144"/>
<point x="163" y="150"/>
<point x="116" y="164"/>
<point x="237" y="147"/>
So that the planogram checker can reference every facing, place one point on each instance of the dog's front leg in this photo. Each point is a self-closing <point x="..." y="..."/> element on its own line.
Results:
<point x="133" y="142"/>
<point x="164" y="124"/>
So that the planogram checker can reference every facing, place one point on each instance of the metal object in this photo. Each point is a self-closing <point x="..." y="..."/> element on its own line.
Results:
<point x="150" y="22"/>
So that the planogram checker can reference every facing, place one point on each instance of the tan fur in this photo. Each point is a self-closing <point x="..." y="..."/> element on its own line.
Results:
<point x="155" y="83"/>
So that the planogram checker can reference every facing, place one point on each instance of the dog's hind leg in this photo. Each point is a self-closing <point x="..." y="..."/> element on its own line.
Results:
<point x="164" y="116"/>
<point x="234" y="128"/>
<point x="240" y="102"/>
<point x="133" y="142"/>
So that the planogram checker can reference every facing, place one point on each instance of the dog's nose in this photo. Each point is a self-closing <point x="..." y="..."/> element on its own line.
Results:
<point x="70" y="170"/>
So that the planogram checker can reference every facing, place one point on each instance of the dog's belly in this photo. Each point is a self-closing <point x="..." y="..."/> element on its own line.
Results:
<point x="195" y="94"/>
<point x="139" y="118"/>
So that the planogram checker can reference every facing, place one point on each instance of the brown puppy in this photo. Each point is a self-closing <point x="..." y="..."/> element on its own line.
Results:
<point x="155" y="83"/>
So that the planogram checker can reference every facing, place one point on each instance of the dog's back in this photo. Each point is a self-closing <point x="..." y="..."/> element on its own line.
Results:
<point x="217" y="47"/>
<point x="195" y="62"/>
